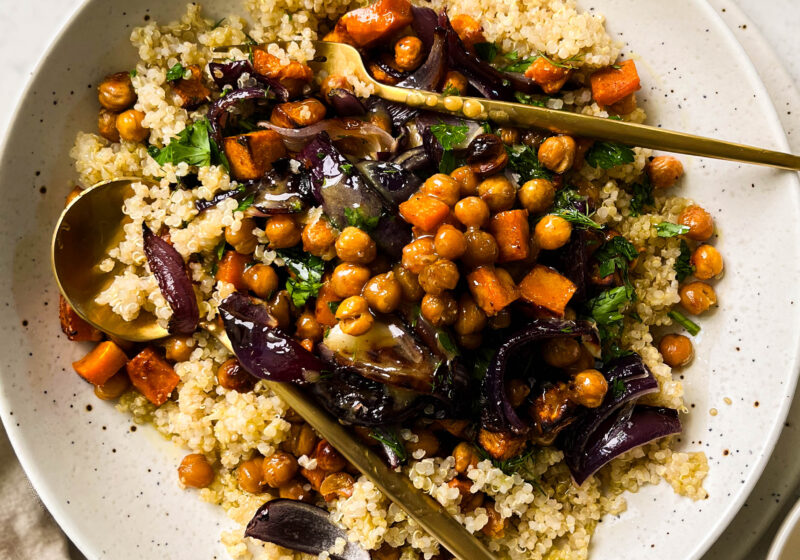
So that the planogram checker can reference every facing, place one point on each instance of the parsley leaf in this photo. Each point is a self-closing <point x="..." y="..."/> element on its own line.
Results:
<point x="447" y="344"/>
<point x="487" y="51"/>
<point x="606" y="309"/>
<point x="333" y="306"/>
<point x="528" y="99"/>
<point x="692" y="327"/>
<point x="615" y="255"/>
<point x="642" y="196"/>
<point x="390" y="439"/>
<point x="515" y="63"/>
<point x="449" y="136"/>
<point x="347" y="168"/>
<point x="219" y="251"/>
<point x="450" y="89"/>
<point x="565" y="207"/>
<point x="523" y="161"/>
<point x="683" y="264"/>
<point x="176" y="72"/>
<point x="307" y="270"/>
<point x="606" y="155"/>
<point x="246" y="203"/>
<point x="357" y="218"/>
<point x="133" y="73"/>
<point x="668" y="229"/>
<point x="617" y="388"/>
<point x="193" y="146"/>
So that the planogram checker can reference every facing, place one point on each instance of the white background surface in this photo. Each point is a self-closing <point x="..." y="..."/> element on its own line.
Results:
<point x="770" y="37"/>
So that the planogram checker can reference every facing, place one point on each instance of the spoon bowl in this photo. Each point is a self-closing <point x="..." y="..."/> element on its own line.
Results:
<point x="87" y="229"/>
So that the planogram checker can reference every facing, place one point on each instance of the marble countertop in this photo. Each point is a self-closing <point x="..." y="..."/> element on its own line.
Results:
<point x="766" y="28"/>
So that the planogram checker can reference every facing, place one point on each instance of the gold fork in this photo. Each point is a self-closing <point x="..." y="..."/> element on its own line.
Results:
<point x="338" y="58"/>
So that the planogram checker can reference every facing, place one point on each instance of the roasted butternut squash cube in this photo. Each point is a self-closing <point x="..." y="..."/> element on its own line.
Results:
<point x="546" y="288"/>
<point x="152" y="376"/>
<point x="192" y="90"/>
<point x="251" y="155"/>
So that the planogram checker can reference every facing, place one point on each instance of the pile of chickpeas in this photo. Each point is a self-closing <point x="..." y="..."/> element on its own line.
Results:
<point x="117" y="120"/>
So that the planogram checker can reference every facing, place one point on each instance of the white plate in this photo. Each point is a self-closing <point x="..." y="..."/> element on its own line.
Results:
<point x="114" y="491"/>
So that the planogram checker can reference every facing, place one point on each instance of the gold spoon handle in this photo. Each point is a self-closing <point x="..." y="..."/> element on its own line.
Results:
<point x="396" y="486"/>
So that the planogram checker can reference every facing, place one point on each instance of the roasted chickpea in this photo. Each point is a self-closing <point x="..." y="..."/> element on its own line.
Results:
<point x="472" y="211"/>
<point x="250" y="475"/>
<point x="282" y="231"/>
<point x="107" y="125"/>
<point x="261" y="279"/>
<point x="295" y="490"/>
<point x="699" y="222"/>
<point x="449" y="242"/>
<point x="561" y="352"/>
<point x="676" y="349"/>
<point x="518" y="391"/>
<point x="418" y="254"/>
<point x="337" y="485"/>
<point x="438" y="277"/>
<point x="481" y="248"/>
<point x="439" y="309"/>
<point x="664" y="171"/>
<point x="328" y="459"/>
<point x="497" y="192"/>
<point x="356" y="246"/>
<point x="195" y="471"/>
<point x="243" y="239"/>
<point x="314" y="477"/>
<point x="113" y="388"/>
<point x="409" y="283"/>
<point x="302" y="440"/>
<point x="552" y="232"/>
<point x="443" y="187"/>
<point x="278" y="469"/>
<point x="707" y="262"/>
<point x="408" y="53"/>
<point x="537" y="195"/>
<point x="697" y="297"/>
<point x="471" y="318"/>
<point x="469" y="501"/>
<point x="588" y="388"/>
<point x="280" y="307"/>
<point x="383" y="293"/>
<point x="534" y="138"/>
<point x="495" y="528"/>
<point x="354" y="316"/>
<point x="319" y="238"/>
<point x="466" y="179"/>
<point x="509" y="136"/>
<point x="116" y="92"/>
<point x="179" y="348"/>
<point x="334" y="81"/>
<point x="308" y="326"/>
<point x="455" y="81"/>
<point x="557" y="153"/>
<point x="466" y="457"/>
<point x="231" y="375"/>
<point x="426" y="441"/>
<point x="129" y="126"/>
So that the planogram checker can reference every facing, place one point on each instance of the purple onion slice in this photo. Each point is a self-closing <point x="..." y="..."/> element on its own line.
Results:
<point x="302" y="527"/>
<point x="345" y="103"/>
<point x="168" y="267"/>
<point x="431" y="74"/>
<point x="263" y="349"/>
<point x="221" y="105"/>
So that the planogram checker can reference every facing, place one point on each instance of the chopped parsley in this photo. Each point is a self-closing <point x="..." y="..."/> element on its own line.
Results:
<point x="487" y="51"/>
<point x="692" y="327"/>
<point x="480" y="362"/>
<point x="528" y="99"/>
<point x="390" y="439"/>
<point x="447" y="344"/>
<point x="606" y="155"/>
<point x="449" y="136"/>
<point x="193" y="145"/>
<point x="642" y="196"/>
<point x="177" y="72"/>
<point x="357" y="218"/>
<point x="514" y="63"/>
<point x="569" y="63"/>
<point x="616" y="255"/>
<point x="683" y="264"/>
<point x="219" y="251"/>
<point x="347" y="168"/>
<point x="450" y="89"/>
<point x="217" y="23"/>
<point x="133" y="73"/>
<point x="668" y="229"/>
<point x="606" y="309"/>
<point x="565" y="207"/>
<point x="246" y="203"/>
<point x="334" y="306"/>
<point x="307" y="280"/>
<point x="617" y="388"/>
<point x="523" y="161"/>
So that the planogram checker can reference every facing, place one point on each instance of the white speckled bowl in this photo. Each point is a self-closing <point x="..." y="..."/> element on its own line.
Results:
<point x="113" y="489"/>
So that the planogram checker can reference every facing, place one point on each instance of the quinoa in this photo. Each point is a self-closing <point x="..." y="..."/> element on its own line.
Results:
<point x="548" y="516"/>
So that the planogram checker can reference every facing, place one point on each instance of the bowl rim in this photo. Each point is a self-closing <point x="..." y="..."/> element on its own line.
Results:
<point x="785" y="531"/>
<point x="82" y="540"/>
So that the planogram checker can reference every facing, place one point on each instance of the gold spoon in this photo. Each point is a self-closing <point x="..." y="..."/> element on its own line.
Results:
<point x="92" y="224"/>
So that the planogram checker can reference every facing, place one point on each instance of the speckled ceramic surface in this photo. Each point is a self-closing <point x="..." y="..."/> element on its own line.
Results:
<point x="113" y="489"/>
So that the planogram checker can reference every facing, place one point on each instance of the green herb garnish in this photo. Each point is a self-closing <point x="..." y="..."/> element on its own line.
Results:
<point x="450" y="89"/>
<point x="177" y="72"/>
<point x="307" y="280"/>
<point x="193" y="145"/>
<point x="617" y="388"/>
<point x="642" y="196"/>
<point x="447" y="344"/>
<point x="217" y="23"/>
<point x="683" y="264"/>
<point x="219" y="251"/>
<point x="487" y="51"/>
<point x="606" y="309"/>
<point x="357" y="218"/>
<point x="523" y="161"/>
<point x="692" y="327"/>
<point x="565" y="207"/>
<point x="133" y="73"/>
<point x="390" y="439"/>
<point x="616" y="255"/>
<point x="606" y="155"/>
<point x="449" y="135"/>
<point x="333" y="306"/>
<point x="347" y="168"/>
<point x="528" y="99"/>
<point x="246" y="203"/>
<point x="668" y="229"/>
